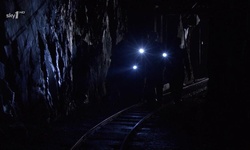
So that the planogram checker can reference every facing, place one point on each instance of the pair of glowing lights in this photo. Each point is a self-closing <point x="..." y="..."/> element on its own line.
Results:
<point x="141" y="51"/>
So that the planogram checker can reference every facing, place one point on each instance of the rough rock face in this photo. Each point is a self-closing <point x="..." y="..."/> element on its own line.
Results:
<point x="55" y="54"/>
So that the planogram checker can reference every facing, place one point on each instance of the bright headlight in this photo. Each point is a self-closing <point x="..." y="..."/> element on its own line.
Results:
<point x="141" y="50"/>
<point x="164" y="54"/>
<point x="135" y="67"/>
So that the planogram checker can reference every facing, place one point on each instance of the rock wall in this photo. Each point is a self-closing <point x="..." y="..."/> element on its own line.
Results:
<point x="55" y="54"/>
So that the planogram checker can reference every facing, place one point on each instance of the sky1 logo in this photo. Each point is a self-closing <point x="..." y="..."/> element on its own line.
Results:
<point x="15" y="15"/>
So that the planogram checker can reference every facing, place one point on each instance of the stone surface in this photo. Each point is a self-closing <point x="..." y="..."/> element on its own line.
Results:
<point x="54" y="53"/>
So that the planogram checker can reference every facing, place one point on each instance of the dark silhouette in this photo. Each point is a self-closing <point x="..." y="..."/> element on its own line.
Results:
<point x="153" y="90"/>
<point x="125" y="83"/>
<point x="177" y="71"/>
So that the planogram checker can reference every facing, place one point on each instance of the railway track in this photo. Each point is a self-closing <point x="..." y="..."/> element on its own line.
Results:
<point x="116" y="131"/>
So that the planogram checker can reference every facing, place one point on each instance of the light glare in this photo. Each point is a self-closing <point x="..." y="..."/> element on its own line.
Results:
<point x="134" y="67"/>
<point x="141" y="50"/>
<point x="164" y="54"/>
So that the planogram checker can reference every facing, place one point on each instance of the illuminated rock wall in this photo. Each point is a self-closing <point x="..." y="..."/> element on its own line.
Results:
<point x="55" y="54"/>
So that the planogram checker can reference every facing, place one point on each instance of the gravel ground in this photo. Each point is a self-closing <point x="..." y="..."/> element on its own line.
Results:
<point x="59" y="135"/>
<point x="64" y="133"/>
<point x="187" y="126"/>
<point x="182" y="126"/>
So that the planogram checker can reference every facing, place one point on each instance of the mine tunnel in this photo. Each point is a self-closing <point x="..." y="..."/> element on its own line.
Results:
<point x="66" y="65"/>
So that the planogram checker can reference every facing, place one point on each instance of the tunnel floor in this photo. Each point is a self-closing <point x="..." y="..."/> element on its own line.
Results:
<point x="181" y="126"/>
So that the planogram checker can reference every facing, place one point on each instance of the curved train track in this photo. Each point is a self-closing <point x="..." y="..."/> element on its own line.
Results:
<point x="116" y="131"/>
